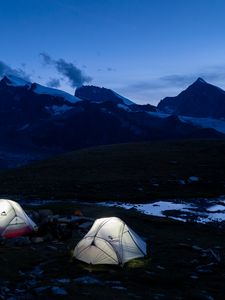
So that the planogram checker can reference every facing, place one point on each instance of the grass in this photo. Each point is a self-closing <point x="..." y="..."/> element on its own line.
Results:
<point x="126" y="172"/>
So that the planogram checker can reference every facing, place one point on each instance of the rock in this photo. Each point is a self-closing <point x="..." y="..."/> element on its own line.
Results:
<point x="187" y="246"/>
<point x="194" y="276"/>
<point x="194" y="261"/>
<point x="197" y="248"/>
<point x="159" y="296"/>
<point x="86" y="225"/>
<point x="37" y="240"/>
<point x="201" y="295"/>
<point x="87" y="280"/>
<point x="19" y="291"/>
<point x="73" y="219"/>
<point x="39" y="290"/>
<point x="37" y="272"/>
<point x="51" y="248"/>
<point x="43" y="213"/>
<point x="119" y="288"/>
<point x="182" y="182"/>
<point x="63" y="280"/>
<point x="2" y="240"/>
<point x="160" y="267"/>
<point x="32" y="282"/>
<point x="115" y="284"/>
<point x="18" y="241"/>
<point x="56" y="290"/>
<point x="193" y="179"/>
<point x="203" y="270"/>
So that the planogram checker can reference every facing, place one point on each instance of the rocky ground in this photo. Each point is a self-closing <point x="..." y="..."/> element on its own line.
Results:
<point x="186" y="260"/>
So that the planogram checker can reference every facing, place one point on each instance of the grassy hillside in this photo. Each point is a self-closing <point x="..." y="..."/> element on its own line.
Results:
<point x="135" y="172"/>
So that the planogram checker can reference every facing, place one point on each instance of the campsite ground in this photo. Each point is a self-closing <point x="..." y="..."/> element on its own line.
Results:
<point x="186" y="261"/>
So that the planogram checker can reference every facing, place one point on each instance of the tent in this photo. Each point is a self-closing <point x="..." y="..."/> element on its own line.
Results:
<point x="14" y="221"/>
<point x="109" y="241"/>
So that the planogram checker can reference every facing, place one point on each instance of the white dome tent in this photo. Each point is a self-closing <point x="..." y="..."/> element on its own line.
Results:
<point x="109" y="241"/>
<point x="14" y="221"/>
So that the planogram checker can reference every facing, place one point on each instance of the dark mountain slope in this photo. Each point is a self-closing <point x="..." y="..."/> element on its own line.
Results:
<point x="200" y="99"/>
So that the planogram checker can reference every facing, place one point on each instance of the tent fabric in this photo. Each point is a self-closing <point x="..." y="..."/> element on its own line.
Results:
<point x="109" y="241"/>
<point x="14" y="221"/>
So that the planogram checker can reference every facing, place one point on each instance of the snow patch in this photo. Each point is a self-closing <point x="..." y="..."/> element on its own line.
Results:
<point x="216" y="124"/>
<point x="40" y="89"/>
<point x="193" y="179"/>
<point x="124" y="107"/>
<point x="158" y="114"/>
<point x="16" y="81"/>
<point x="58" y="109"/>
<point x="186" y="211"/>
<point x="23" y="127"/>
<point x="216" y="208"/>
<point x="125" y="100"/>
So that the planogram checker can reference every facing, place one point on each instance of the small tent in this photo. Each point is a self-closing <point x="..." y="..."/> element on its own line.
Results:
<point x="14" y="221"/>
<point x="110" y="241"/>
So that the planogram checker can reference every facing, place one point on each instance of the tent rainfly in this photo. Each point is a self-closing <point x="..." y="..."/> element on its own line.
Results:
<point x="14" y="221"/>
<point x="109" y="241"/>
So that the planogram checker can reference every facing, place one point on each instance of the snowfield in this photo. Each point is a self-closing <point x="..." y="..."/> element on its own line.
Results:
<point x="40" y="89"/>
<point x="217" y="124"/>
<point x="178" y="211"/>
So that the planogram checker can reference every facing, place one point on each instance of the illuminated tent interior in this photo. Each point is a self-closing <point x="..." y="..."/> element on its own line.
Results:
<point x="14" y="221"/>
<point x="110" y="241"/>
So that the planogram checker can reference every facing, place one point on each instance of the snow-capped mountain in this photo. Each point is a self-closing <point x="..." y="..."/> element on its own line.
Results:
<point x="16" y="82"/>
<point x="200" y="99"/>
<point x="37" y="121"/>
<point x="96" y="94"/>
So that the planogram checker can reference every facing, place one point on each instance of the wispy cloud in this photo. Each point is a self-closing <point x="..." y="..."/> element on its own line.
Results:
<point x="174" y="81"/>
<point x="54" y="83"/>
<point x="72" y="73"/>
<point x="157" y="88"/>
<point x="5" y="69"/>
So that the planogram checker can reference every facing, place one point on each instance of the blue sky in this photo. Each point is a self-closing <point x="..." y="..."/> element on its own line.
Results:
<point x="143" y="49"/>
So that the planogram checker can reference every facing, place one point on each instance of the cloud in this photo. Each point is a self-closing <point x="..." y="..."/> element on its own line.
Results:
<point x="54" y="83"/>
<point x="214" y="74"/>
<point x="72" y="73"/>
<point x="178" y="80"/>
<point x="7" y="70"/>
<point x="109" y="69"/>
<point x="47" y="60"/>
<point x="157" y="88"/>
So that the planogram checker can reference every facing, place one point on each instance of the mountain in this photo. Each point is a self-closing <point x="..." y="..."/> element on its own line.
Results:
<point x="200" y="99"/>
<point x="96" y="94"/>
<point x="37" y="122"/>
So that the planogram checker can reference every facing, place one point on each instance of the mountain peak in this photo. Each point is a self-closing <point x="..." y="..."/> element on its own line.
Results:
<point x="200" y="80"/>
<point x="15" y="81"/>
<point x="200" y="99"/>
<point x="100" y="94"/>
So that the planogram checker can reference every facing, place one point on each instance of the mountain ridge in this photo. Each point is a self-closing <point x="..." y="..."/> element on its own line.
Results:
<point x="38" y="122"/>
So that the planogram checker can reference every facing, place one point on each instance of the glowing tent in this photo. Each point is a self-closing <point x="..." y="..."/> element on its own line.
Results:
<point x="110" y="241"/>
<point x="14" y="221"/>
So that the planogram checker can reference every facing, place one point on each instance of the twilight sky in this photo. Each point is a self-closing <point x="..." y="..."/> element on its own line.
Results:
<point x="143" y="49"/>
